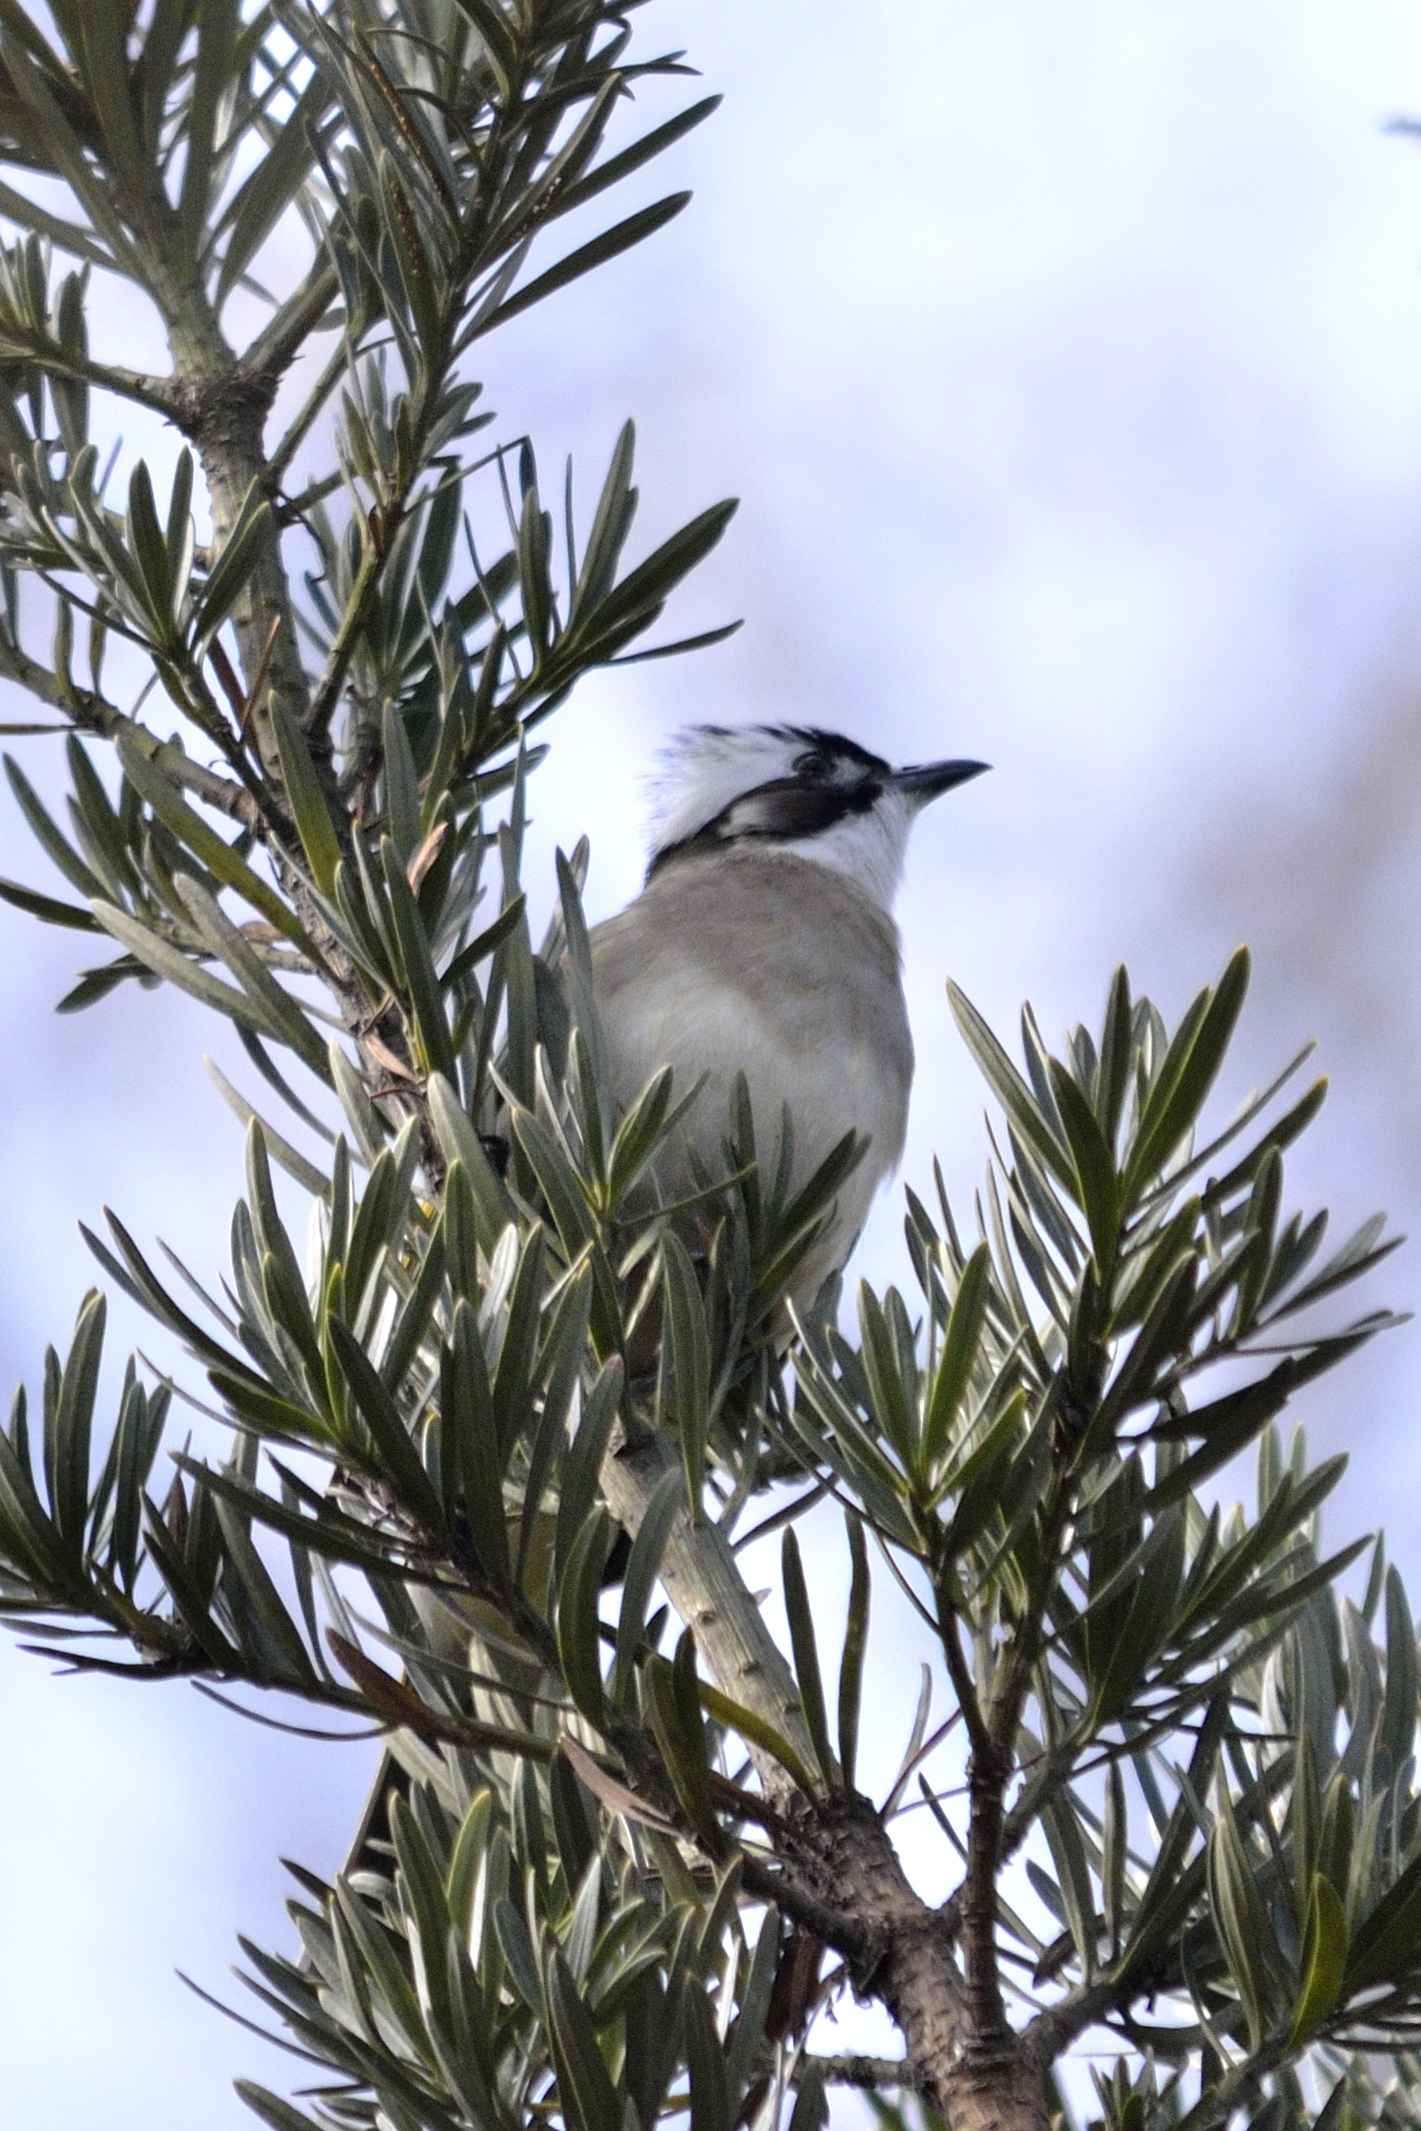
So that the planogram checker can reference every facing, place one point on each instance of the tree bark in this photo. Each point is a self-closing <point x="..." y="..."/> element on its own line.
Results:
<point x="897" y="1948"/>
<point x="996" y="2089"/>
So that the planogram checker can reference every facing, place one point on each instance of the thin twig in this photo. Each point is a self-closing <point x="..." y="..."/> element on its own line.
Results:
<point x="872" y="2073"/>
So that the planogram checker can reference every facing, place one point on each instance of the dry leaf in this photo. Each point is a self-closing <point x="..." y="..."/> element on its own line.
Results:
<point x="425" y="856"/>
<point x="394" y="1699"/>
<point x="383" y="1055"/>
<point x="615" y="1796"/>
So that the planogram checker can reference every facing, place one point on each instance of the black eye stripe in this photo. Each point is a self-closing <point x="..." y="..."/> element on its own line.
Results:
<point x="786" y="808"/>
<point x="782" y="811"/>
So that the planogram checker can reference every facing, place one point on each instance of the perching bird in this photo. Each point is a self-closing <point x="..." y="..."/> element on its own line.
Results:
<point x="764" y="942"/>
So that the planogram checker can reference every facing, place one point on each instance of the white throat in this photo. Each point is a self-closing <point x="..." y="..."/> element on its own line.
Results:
<point x="869" y="848"/>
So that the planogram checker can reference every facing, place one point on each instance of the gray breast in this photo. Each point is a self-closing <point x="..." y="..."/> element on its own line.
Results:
<point x="755" y="960"/>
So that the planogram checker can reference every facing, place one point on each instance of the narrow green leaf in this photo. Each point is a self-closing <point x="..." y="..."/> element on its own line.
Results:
<point x="458" y="1140"/>
<point x="643" y="1568"/>
<point x="150" y="551"/>
<point x="365" y="1121"/>
<point x="645" y="1127"/>
<point x="64" y="151"/>
<point x="689" y="1344"/>
<point x="1156" y="1909"/>
<point x="1240" y="1920"/>
<point x="314" y="823"/>
<point x="855" y="1645"/>
<point x="582" y="1464"/>
<point x="892" y="1404"/>
<point x="55" y="846"/>
<point x="617" y="167"/>
<point x="246" y="1572"/>
<point x="673" y="1698"/>
<point x="467" y="1858"/>
<point x="413" y="1322"/>
<point x="513" y="1377"/>
<point x="47" y="910"/>
<point x="747" y="2035"/>
<point x="517" y="1951"/>
<point x="959" y="1355"/>
<point x="104" y="63"/>
<point x="1115" y="1058"/>
<point x="578" y="1624"/>
<point x="637" y="600"/>
<point x="811" y="2103"/>
<point x="806" y="1656"/>
<point x="616" y="508"/>
<point x="213" y="850"/>
<point x="471" y="1446"/>
<point x="609" y="245"/>
<point x="187" y="1594"/>
<point x="1185" y="1078"/>
<point x="1324" y="1960"/>
<point x="253" y="532"/>
<point x="273" y="185"/>
<point x="1398" y="1726"/>
<point x="32" y="1541"/>
<point x="485" y="943"/>
<point x="216" y="37"/>
<point x="1015" y="1097"/>
<point x="402" y="809"/>
<point x="168" y="961"/>
<point x="393" y="1445"/>
<point x="66" y="236"/>
<point x="272" y="2109"/>
<point x="67" y="1452"/>
<point x="426" y="1001"/>
<point x="1097" y="1185"/>
<point x="328" y="1534"/>
<point x="710" y="2091"/>
<point x="560" y="1368"/>
<point x="498" y="38"/>
<point x="753" y="1727"/>
<point x="584" y="2084"/>
<point x="1063" y="1835"/>
<point x="279" y="1009"/>
<point x="1114" y="1843"/>
<point x="557" y="1180"/>
<point x="1386" y="1944"/>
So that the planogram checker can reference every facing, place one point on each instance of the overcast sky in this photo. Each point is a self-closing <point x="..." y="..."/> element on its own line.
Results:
<point x="1068" y="364"/>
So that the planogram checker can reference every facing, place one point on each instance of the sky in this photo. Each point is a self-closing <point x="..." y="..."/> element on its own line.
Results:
<point x="1067" y="363"/>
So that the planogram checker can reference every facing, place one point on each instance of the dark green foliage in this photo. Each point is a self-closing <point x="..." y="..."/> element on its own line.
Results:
<point x="508" y="1393"/>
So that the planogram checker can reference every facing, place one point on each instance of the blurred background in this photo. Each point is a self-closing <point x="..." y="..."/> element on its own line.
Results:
<point x="1068" y="363"/>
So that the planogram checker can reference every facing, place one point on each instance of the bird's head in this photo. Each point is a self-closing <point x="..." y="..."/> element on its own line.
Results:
<point x="796" y="789"/>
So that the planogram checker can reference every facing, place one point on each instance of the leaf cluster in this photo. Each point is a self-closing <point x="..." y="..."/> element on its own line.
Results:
<point x="511" y="1408"/>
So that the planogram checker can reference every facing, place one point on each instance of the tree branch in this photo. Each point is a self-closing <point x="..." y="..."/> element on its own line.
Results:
<point x="90" y="712"/>
<point x="1050" y="1773"/>
<point x="868" y="2072"/>
<point x="830" y="1926"/>
<point x="1052" y="2032"/>
<point x="137" y="386"/>
<point x="279" y="342"/>
<point x="702" y="1579"/>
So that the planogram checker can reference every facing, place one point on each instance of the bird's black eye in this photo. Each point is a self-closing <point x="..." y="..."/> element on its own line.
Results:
<point x="812" y="764"/>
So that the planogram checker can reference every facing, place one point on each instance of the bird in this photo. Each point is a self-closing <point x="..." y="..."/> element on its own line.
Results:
<point x="763" y="942"/>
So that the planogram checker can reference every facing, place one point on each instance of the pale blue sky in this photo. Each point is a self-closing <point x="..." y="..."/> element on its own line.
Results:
<point x="1068" y="362"/>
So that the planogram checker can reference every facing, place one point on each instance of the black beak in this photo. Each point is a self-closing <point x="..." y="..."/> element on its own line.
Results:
<point x="927" y="780"/>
